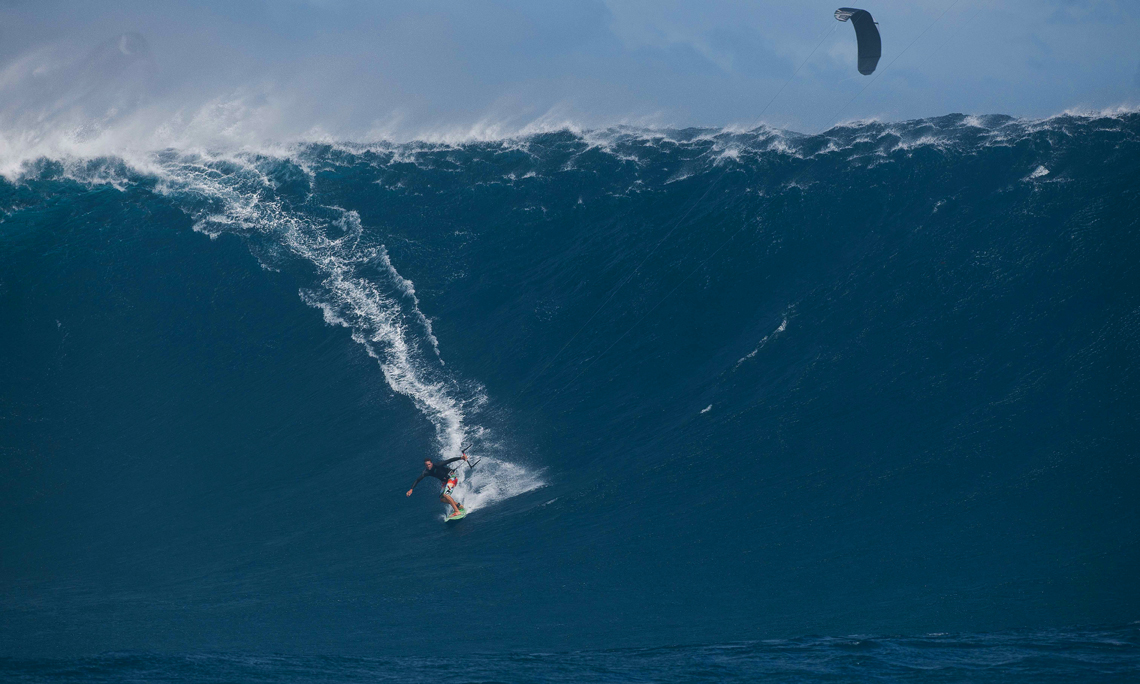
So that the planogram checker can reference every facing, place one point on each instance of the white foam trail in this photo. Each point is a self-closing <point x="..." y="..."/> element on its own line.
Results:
<point x="360" y="290"/>
<point x="409" y="290"/>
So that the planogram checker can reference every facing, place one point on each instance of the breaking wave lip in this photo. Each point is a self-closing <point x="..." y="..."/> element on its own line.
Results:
<point x="210" y="132"/>
<point x="871" y="138"/>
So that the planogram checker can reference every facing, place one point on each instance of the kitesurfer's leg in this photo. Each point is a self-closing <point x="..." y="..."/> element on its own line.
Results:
<point x="446" y="498"/>
<point x="445" y="495"/>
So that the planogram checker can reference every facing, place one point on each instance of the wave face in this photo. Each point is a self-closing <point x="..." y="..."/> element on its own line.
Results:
<point x="724" y="386"/>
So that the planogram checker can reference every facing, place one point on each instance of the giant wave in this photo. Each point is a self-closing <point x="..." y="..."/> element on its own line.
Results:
<point x="725" y="384"/>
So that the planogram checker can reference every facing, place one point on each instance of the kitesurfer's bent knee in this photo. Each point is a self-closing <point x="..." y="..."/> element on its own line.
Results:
<point x="448" y="500"/>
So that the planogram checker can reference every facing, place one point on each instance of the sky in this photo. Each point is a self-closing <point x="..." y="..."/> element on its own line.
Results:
<point x="216" y="71"/>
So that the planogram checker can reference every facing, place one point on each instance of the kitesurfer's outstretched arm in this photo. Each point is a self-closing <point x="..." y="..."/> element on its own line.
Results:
<point x="431" y="465"/>
<point x="422" y="476"/>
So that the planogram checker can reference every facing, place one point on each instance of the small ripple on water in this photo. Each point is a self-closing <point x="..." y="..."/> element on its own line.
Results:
<point x="1103" y="656"/>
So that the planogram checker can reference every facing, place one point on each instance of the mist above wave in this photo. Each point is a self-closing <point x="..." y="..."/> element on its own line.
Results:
<point x="119" y="99"/>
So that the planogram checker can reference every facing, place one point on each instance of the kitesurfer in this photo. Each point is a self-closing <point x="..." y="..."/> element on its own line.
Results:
<point x="447" y="476"/>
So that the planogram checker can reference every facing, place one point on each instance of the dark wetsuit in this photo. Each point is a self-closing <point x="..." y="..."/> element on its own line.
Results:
<point x="438" y="470"/>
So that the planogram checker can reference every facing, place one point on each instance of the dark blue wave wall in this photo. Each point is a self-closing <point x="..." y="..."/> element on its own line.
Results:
<point x="878" y="380"/>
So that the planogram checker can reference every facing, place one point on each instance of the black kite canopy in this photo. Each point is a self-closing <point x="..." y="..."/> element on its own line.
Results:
<point x="867" y="34"/>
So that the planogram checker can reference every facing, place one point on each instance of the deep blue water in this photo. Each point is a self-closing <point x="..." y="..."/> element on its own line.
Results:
<point x="1056" y="656"/>
<point x="728" y="387"/>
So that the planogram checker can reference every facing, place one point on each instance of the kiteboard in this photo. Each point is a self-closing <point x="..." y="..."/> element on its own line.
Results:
<point x="456" y="516"/>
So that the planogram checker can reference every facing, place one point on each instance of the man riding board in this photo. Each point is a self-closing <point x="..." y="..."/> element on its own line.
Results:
<point x="446" y="475"/>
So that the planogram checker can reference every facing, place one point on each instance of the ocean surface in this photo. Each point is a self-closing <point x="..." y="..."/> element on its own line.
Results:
<point x="1055" y="656"/>
<point x="745" y="405"/>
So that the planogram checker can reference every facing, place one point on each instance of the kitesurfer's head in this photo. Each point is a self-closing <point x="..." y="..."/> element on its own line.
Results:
<point x="427" y="463"/>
